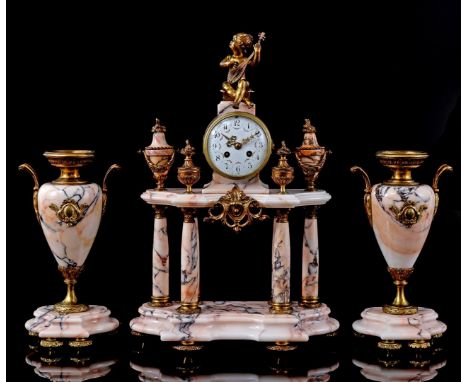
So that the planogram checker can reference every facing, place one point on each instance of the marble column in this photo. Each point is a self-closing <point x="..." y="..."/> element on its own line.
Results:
<point x="160" y="295"/>
<point x="190" y="264"/>
<point x="310" y="260"/>
<point x="281" y="264"/>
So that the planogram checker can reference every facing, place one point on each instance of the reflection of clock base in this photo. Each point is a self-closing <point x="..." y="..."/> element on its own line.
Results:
<point x="234" y="320"/>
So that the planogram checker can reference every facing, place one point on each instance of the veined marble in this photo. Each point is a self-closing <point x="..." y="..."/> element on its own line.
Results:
<point x="226" y="107"/>
<point x="401" y="244"/>
<point x="190" y="262"/>
<point x="281" y="263"/>
<point x="420" y="326"/>
<point x="70" y="245"/>
<point x="221" y="185"/>
<point x="160" y="258"/>
<point x="382" y="374"/>
<point x="310" y="259"/>
<point x="234" y="320"/>
<point x="150" y="374"/>
<point x="177" y="197"/>
<point x="47" y="323"/>
<point x="69" y="373"/>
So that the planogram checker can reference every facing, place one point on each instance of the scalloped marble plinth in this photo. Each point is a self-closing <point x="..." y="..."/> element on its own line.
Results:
<point x="420" y="326"/>
<point x="69" y="373"/>
<point x="382" y="374"/>
<point x="315" y="375"/>
<point x="177" y="197"/>
<point x="47" y="323"/>
<point x="234" y="320"/>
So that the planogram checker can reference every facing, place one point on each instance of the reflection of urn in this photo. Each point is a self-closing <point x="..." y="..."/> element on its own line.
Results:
<point x="400" y="211"/>
<point x="310" y="156"/>
<point x="188" y="174"/>
<point x="159" y="155"/>
<point x="69" y="210"/>
<point x="283" y="173"/>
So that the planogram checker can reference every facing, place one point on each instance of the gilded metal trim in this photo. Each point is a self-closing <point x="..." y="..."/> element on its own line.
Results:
<point x="50" y="343"/>
<point x="160" y="301"/>
<point x="188" y="174"/>
<point x="188" y="346"/>
<point x="283" y="173"/>
<point x="70" y="302"/>
<point x="435" y="183"/>
<point x="189" y="308"/>
<point x="69" y="162"/>
<point x="236" y="210"/>
<point x="419" y="344"/>
<point x="389" y="345"/>
<point x="219" y="119"/>
<point x="70" y="212"/>
<point x="280" y="307"/>
<point x="400" y="304"/>
<point x="27" y="167"/>
<point x="308" y="302"/>
<point x="80" y="343"/>
<point x="159" y="211"/>
<point x="408" y="215"/>
<point x="367" y="191"/>
<point x="282" y="215"/>
<point x="189" y="214"/>
<point x="282" y="346"/>
<point x="104" y="186"/>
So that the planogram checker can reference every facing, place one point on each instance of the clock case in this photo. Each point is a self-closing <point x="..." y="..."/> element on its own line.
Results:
<point x="280" y="323"/>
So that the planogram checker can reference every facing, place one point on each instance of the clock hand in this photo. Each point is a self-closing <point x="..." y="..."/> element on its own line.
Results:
<point x="248" y="139"/>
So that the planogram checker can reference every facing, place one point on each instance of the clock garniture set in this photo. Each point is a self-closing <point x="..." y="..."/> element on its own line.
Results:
<point x="237" y="145"/>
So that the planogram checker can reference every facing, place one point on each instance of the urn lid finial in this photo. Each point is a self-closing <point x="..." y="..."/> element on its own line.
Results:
<point x="158" y="128"/>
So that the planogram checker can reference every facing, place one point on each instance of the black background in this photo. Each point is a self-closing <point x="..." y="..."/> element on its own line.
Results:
<point x="369" y="78"/>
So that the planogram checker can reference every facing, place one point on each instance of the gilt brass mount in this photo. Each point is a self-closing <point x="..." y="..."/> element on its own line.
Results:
<point x="283" y="173"/>
<point x="70" y="212"/>
<point x="70" y="303"/>
<point x="188" y="174"/>
<point x="235" y="210"/>
<point x="400" y="304"/>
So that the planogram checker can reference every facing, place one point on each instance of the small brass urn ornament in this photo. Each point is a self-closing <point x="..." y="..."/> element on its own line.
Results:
<point x="310" y="156"/>
<point x="188" y="174"/>
<point x="159" y="155"/>
<point x="283" y="174"/>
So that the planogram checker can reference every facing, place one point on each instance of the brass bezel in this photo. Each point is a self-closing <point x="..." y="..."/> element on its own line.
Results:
<point x="252" y="117"/>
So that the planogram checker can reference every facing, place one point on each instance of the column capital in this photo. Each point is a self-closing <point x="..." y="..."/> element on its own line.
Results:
<point x="159" y="211"/>
<point x="282" y="215"/>
<point x="189" y="214"/>
<point x="311" y="212"/>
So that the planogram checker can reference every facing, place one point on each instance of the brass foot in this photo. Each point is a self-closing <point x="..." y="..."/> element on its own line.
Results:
<point x="80" y="343"/>
<point x="282" y="346"/>
<point x="389" y="345"/>
<point x="188" y="346"/>
<point x="50" y="343"/>
<point x="419" y="344"/>
<point x="136" y="334"/>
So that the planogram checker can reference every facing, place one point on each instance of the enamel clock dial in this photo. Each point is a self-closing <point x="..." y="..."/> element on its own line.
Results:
<point x="237" y="145"/>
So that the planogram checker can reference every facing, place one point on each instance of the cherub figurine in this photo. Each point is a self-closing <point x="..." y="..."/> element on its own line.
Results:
<point x="236" y="87"/>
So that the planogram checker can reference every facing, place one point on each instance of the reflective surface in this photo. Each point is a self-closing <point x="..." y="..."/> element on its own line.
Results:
<point x="144" y="358"/>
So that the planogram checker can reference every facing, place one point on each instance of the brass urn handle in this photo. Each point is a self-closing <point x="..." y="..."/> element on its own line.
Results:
<point x="367" y="191"/>
<point x="28" y="167"/>
<point x="104" y="186"/>
<point x="435" y="183"/>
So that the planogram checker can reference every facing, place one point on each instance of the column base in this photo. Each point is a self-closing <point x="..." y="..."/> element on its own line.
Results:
<point x="234" y="320"/>
<point x="418" y="328"/>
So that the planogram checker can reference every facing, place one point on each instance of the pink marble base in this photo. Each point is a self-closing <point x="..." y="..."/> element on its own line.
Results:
<point x="226" y="107"/>
<point x="221" y="185"/>
<point x="420" y="326"/>
<point x="234" y="320"/>
<point x="382" y="374"/>
<point x="50" y="324"/>
<point x="70" y="373"/>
